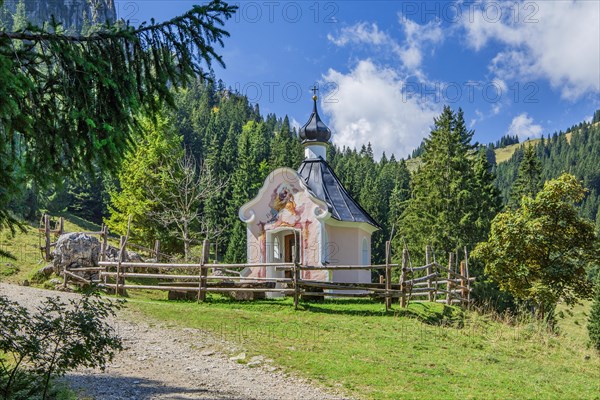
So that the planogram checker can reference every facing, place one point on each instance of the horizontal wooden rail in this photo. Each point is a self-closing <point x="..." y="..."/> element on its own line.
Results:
<point x="196" y="289"/>
<point x="413" y="294"/>
<point x="413" y="269"/>
<point x="190" y="265"/>
<point x="422" y="279"/>
<point x="421" y="289"/>
<point x="333" y="294"/>
<point x="453" y="273"/>
<point x="444" y="281"/>
<point x="335" y="286"/>
<point x="77" y="277"/>
<point x="342" y="267"/>
<point x="87" y="269"/>
<point x="167" y="276"/>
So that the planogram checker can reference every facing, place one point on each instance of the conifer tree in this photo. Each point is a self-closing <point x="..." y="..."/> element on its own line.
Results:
<point x="487" y="196"/>
<point x="528" y="181"/>
<point x="73" y="102"/>
<point x="593" y="325"/>
<point x="245" y="184"/>
<point x="443" y="207"/>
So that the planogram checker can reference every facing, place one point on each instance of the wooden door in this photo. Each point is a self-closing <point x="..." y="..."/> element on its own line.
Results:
<point x="289" y="245"/>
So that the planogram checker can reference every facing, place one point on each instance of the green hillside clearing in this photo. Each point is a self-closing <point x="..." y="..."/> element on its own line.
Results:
<point x="428" y="351"/>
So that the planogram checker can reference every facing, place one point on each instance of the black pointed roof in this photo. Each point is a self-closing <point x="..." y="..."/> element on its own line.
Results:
<point x="325" y="185"/>
<point x="314" y="131"/>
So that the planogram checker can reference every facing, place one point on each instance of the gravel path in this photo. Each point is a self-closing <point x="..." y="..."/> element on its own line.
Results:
<point x="162" y="362"/>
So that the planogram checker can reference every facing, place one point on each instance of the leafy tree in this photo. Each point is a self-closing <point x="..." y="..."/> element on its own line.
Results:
<point x="538" y="252"/>
<point x="528" y="181"/>
<point x="72" y="102"/>
<point x="181" y="191"/>
<point x="157" y="146"/>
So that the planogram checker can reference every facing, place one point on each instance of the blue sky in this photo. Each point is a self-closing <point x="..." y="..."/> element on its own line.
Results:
<point x="386" y="68"/>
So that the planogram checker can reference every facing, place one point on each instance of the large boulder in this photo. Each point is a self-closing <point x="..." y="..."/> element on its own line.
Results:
<point x="76" y="250"/>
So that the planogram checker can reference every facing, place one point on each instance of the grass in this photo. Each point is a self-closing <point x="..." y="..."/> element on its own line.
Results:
<point x="25" y="247"/>
<point x="427" y="351"/>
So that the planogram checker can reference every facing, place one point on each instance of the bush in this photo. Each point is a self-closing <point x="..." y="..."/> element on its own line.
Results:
<point x="56" y="338"/>
<point x="594" y="319"/>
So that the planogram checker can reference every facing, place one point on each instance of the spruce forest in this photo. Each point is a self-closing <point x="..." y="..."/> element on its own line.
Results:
<point x="161" y="180"/>
<point x="221" y="129"/>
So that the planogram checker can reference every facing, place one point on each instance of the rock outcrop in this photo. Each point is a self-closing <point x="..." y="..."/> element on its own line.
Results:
<point x="72" y="14"/>
<point x="76" y="250"/>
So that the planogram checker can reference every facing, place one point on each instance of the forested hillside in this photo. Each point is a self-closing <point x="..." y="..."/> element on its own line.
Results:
<point x="230" y="136"/>
<point x="241" y="147"/>
<point x="74" y="15"/>
<point x="576" y="151"/>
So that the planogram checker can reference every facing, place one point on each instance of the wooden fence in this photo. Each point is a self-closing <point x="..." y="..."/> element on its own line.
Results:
<point x="430" y="282"/>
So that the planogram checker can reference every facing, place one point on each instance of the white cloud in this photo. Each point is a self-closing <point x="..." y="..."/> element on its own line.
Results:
<point x="360" y="33"/>
<point x="417" y="39"/>
<point x="522" y="125"/>
<point x="553" y="40"/>
<point x="371" y="107"/>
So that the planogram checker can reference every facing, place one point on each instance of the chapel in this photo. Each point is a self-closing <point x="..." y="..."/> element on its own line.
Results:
<point x="308" y="215"/>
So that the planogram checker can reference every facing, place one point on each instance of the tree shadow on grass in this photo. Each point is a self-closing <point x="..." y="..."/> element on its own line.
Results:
<point x="108" y="386"/>
<point x="429" y="313"/>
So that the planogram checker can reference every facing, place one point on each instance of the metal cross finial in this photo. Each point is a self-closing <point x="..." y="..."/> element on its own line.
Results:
<point x="314" y="89"/>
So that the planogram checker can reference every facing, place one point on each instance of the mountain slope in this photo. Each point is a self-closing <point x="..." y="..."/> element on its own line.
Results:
<point x="72" y="14"/>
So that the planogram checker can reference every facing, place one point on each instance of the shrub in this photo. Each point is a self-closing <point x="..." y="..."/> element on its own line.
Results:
<point x="56" y="338"/>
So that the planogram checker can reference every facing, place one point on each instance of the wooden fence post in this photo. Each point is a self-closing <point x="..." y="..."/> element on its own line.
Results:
<point x="157" y="250"/>
<point x="295" y="278"/>
<point x="449" y="282"/>
<point x="468" y="277"/>
<point x="403" y="278"/>
<point x="104" y="250"/>
<point x="463" y="283"/>
<point x="119" y="261"/>
<point x="65" y="277"/>
<point x="388" y="277"/>
<point x="47" y="237"/>
<point x="429" y="272"/>
<point x="102" y="244"/>
<point x="61" y="226"/>
<point x="203" y="270"/>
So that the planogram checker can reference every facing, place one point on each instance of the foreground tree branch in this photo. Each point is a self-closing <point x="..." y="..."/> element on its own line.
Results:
<point x="69" y="103"/>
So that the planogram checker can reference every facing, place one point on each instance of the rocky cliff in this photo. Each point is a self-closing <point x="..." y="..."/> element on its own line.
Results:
<point x="73" y="14"/>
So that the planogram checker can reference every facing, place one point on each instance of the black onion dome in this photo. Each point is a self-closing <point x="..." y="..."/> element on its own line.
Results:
<point x="314" y="131"/>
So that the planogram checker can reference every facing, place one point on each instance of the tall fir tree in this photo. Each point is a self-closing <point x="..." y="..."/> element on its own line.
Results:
<point x="528" y="181"/>
<point x="444" y="206"/>
<point x="245" y="184"/>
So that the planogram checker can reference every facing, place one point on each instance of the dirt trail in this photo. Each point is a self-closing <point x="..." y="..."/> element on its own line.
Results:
<point x="161" y="362"/>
